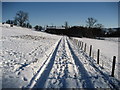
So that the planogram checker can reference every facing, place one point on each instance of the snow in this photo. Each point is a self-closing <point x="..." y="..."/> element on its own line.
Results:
<point x="23" y="51"/>
<point x="114" y="39"/>
<point x="0" y="57"/>
<point x="98" y="75"/>
<point x="32" y="59"/>
<point x="69" y="67"/>
<point x="108" y="49"/>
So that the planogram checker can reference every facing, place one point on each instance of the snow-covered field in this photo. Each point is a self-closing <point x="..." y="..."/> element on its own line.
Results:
<point x="0" y="57"/>
<point x="114" y="39"/>
<point x="32" y="59"/>
<point x="108" y="49"/>
<point x="22" y="53"/>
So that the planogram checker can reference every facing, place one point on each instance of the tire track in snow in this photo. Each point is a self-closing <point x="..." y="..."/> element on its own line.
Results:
<point x="106" y="79"/>
<point x="40" y="82"/>
<point x="58" y="73"/>
<point x="64" y="69"/>
<point x="61" y="71"/>
<point x="82" y="71"/>
<point x="63" y="74"/>
<point x="73" y="65"/>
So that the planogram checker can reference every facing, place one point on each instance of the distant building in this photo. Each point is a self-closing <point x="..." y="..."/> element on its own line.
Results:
<point x="54" y="27"/>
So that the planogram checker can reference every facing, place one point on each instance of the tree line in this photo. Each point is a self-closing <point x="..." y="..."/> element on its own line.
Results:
<point x="92" y="29"/>
<point x="78" y="31"/>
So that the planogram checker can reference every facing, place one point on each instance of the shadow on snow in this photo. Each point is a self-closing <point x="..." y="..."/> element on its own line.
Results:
<point x="41" y="81"/>
<point x="84" y="75"/>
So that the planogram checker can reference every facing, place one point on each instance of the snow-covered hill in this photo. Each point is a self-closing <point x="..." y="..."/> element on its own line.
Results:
<point x="32" y="59"/>
<point x="22" y="53"/>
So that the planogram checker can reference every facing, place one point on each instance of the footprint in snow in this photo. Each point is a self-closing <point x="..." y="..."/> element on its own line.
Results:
<point x="18" y="73"/>
<point x="25" y="79"/>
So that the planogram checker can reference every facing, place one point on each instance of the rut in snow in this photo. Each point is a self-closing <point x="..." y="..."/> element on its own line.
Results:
<point x="82" y="70"/>
<point x="67" y="70"/>
<point x="103" y="79"/>
<point x="60" y="72"/>
<point x="42" y="79"/>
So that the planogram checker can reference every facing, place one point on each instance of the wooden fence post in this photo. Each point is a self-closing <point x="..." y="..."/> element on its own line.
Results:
<point x="98" y="55"/>
<point x="113" y="66"/>
<point x="85" y="48"/>
<point x="79" y="44"/>
<point x="76" y="42"/>
<point x="90" y="50"/>
<point x="82" y="46"/>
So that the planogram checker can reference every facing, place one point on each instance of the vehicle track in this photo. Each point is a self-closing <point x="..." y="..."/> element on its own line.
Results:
<point x="65" y="69"/>
<point x="44" y="70"/>
<point x="62" y="74"/>
<point x="82" y="60"/>
<point x="60" y="71"/>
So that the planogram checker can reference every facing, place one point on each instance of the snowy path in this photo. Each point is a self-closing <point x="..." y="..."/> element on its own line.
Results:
<point x="69" y="67"/>
<point x="33" y="59"/>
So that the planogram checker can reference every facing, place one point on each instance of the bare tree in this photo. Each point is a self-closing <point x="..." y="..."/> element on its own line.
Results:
<point x="91" y="22"/>
<point x="21" y="18"/>
<point x="99" y="25"/>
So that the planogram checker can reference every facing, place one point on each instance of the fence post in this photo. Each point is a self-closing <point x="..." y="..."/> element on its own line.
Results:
<point x="76" y="41"/>
<point x="90" y="50"/>
<point x="85" y="48"/>
<point x="113" y="66"/>
<point x="79" y="44"/>
<point x="98" y="55"/>
<point x="82" y="46"/>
